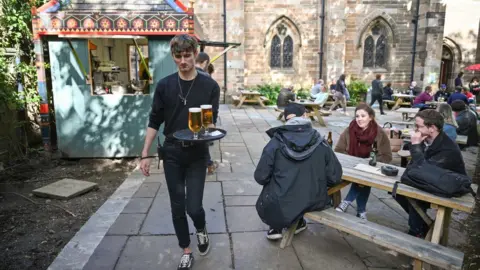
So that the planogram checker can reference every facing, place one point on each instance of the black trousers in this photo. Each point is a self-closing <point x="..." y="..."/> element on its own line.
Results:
<point x="185" y="168"/>
<point x="378" y="98"/>
<point x="415" y="221"/>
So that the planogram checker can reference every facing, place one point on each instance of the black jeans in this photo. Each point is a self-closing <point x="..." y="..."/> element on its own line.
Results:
<point x="378" y="98"/>
<point x="185" y="167"/>
<point x="415" y="221"/>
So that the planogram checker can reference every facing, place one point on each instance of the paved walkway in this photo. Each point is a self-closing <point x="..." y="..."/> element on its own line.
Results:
<point x="133" y="229"/>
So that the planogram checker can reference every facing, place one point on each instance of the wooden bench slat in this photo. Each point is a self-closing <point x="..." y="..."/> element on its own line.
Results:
<point x="428" y="252"/>
<point x="236" y="98"/>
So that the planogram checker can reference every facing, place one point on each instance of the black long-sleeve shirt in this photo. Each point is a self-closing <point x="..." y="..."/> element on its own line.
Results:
<point x="168" y="107"/>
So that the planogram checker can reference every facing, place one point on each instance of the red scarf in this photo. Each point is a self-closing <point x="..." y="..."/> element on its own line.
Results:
<point x="361" y="141"/>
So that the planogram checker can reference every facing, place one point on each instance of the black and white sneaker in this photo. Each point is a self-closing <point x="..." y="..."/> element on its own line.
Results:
<point x="342" y="207"/>
<point x="273" y="234"/>
<point x="203" y="242"/>
<point x="186" y="262"/>
<point x="302" y="225"/>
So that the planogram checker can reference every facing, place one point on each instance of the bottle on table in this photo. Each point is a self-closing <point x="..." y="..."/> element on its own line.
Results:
<point x="329" y="139"/>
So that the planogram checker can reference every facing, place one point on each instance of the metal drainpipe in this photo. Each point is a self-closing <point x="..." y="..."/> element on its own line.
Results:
<point x="322" y="29"/>
<point x="414" y="49"/>
<point x="225" y="55"/>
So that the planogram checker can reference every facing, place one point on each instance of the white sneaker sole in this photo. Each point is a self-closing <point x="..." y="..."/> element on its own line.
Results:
<point x="274" y="237"/>
<point x="300" y="230"/>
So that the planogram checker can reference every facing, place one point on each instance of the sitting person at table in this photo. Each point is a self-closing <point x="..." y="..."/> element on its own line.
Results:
<point x="388" y="92"/>
<point x="286" y="95"/>
<point x="468" y="94"/>
<point x="319" y="93"/>
<point x="429" y="144"/>
<point x="441" y="93"/>
<point x="458" y="95"/>
<point x="450" y="124"/>
<point x="420" y="100"/>
<point x="296" y="168"/>
<point x="357" y="140"/>
<point x="467" y="123"/>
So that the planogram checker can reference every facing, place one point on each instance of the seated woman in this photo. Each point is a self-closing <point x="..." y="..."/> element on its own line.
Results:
<point x="319" y="93"/>
<point x="357" y="140"/>
<point x="467" y="123"/>
<point x="387" y="92"/>
<point x="450" y="125"/>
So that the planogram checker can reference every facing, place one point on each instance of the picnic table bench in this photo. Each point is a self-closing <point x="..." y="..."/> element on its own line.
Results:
<point x="431" y="250"/>
<point x="400" y="100"/>
<point x="407" y="113"/>
<point x="247" y="96"/>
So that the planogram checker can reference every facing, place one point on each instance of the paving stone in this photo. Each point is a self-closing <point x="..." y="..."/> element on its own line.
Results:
<point x="374" y="255"/>
<point x="156" y="178"/>
<point x="235" y="176"/>
<point x="137" y="206"/>
<point x="211" y="177"/>
<point x="224" y="167"/>
<point x="65" y="189"/>
<point x="253" y="251"/>
<point x="147" y="190"/>
<point x="393" y="204"/>
<point x="241" y="188"/>
<point x="106" y="254"/>
<point x="159" y="218"/>
<point x="321" y="247"/>
<point x="244" y="219"/>
<point x="126" y="224"/>
<point x="232" y="144"/>
<point x="162" y="252"/>
<point x="246" y="167"/>
<point x="240" y="200"/>
<point x="380" y="213"/>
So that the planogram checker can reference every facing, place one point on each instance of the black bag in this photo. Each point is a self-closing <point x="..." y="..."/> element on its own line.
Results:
<point x="437" y="181"/>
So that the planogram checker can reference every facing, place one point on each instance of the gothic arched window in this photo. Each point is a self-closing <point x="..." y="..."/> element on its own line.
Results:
<point x="375" y="49"/>
<point x="275" y="52"/>
<point x="288" y="52"/>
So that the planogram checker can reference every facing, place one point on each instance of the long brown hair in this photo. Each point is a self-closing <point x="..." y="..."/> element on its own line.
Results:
<point x="368" y="109"/>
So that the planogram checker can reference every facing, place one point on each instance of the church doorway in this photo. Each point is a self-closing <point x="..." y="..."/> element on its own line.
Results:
<point x="446" y="69"/>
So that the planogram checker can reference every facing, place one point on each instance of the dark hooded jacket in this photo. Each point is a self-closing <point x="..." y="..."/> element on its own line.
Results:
<point x="296" y="168"/>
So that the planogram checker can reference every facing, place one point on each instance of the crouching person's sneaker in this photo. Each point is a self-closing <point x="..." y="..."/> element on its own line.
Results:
<point x="273" y="234"/>
<point x="342" y="207"/>
<point x="186" y="262"/>
<point x="203" y="242"/>
<point x="302" y="225"/>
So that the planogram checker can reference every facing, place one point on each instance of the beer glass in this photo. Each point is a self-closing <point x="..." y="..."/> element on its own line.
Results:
<point x="207" y="117"/>
<point x="195" y="121"/>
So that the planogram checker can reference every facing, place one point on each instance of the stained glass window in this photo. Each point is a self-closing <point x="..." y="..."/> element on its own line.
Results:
<point x="368" y="52"/>
<point x="275" y="52"/>
<point x="381" y="52"/>
<point x="287" y="52"/>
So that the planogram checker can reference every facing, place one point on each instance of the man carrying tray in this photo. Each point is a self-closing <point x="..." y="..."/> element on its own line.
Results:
<point x="184" y="163"/>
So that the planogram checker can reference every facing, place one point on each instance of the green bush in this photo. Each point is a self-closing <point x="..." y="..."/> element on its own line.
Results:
<point x="303" y="93"/>
<point x="270" y="91"/>
<point x="358" y="91"/>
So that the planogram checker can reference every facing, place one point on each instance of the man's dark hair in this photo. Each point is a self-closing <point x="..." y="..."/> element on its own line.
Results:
<point x="389" y="84"/>
<point x="458" y="105"/>
<point x="428" y="88"/>
<point x="183" y="43"/>
<point x="202" y="57"/>
<point x="431" y="118"/>
<point x="378" y="76"/>
<point x="210" y="69"/>
<point x="460" y="74"/>
<point x="458" y="89"/>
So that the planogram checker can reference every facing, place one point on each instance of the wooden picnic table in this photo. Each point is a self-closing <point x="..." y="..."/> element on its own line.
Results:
<point x="431" y="250"/>
<point x="406" y="111"/>
<point x="247" y="96"/>
<point x="400" y="99"/>
<point x="315" y="108"/>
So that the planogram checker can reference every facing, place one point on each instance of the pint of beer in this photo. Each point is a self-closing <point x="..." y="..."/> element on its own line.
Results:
<point x="195" y="121"/>
<point x="207" y="117"/>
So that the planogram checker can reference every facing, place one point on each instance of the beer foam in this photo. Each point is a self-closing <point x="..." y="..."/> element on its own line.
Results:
<point x="195" y="110"/>
<point x="206" y="106"/>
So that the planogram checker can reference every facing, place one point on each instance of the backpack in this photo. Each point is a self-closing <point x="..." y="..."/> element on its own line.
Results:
<point x="437" y="181"/>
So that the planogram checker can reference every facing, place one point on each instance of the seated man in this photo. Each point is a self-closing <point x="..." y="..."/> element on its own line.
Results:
<point x="285" y="96"/>
<point x="420" y="100"/>
<point x="430" y="144"/>
<point x="388" y="92"/>
<point x="457" y="95"/>
<point x="441" y="93"/>
<point x="467" y="123"/>
<point x="296" y="168"/>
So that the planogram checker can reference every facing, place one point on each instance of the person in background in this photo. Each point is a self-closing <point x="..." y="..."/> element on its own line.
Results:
<point x="429" y="144"/>
<point x="285" y="96"/>
<point x="388" y="92"/>
<point x="458" y="80"/>
<point x="441" y="93"/>
<point x="457" y="96"/>
<point x="357" y="140"/>
<point x="413" y="89"/>
<point x="420" y="100"/>
<point x="468" y="94"/>
<point x="450" y="124"/>
<point x="339" y="95"/>
<point x="296" y="168"/>
<point x="319" y="93"/>
<point x="377" y="92"/>
<point x="467" y="123"/>
<point x="474" y="86"/>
